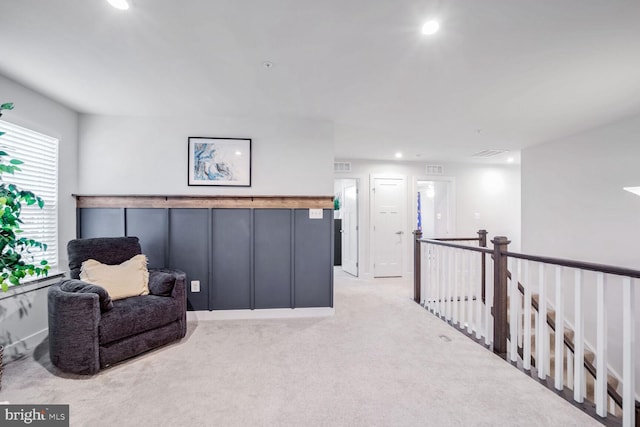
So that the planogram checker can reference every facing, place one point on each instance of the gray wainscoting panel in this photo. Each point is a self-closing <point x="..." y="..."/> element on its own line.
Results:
<point x="100" y="222"/>
<point x="151" y="227"/>
<point x="313" y="259"/>
<point x="189" y="231"/>
<point x="231" y="259"/>
<point x="272" y="258"/>
<point x="243" y="258"/>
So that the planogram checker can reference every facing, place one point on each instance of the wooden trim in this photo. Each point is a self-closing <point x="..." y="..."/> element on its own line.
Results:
<point x="144" y="201"/>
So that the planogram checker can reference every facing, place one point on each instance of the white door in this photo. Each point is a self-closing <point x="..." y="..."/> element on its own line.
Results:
<point x="350" y="230"/>
<point x="388" y="226"/>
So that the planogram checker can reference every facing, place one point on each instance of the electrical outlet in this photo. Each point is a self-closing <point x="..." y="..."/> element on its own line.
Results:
<point x="315" y="213"/>
<point x="195" y="286"/>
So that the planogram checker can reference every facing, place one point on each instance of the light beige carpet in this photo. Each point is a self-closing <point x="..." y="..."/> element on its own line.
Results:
<point x="380" y="361"/>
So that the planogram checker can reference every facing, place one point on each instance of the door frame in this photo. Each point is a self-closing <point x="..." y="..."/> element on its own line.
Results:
<point x="372" y="240"/>
<point x="414" y="191"/>
<point x="356" y="182"/>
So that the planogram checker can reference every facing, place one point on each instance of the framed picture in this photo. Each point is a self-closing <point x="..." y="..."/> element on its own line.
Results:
<point x="220" y="161"/>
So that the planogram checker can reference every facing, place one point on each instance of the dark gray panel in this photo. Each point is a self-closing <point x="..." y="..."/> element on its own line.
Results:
<point x="272" y="258"/>
<point x="189" y="251"/>
<point x="151" y="227"/>
<point x="100" y="222"/>
<point x="231" y="259"/>
<point x="313" y="253"/>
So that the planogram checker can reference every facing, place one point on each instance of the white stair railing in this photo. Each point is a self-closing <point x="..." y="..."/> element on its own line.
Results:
<point x="544" y="296"/>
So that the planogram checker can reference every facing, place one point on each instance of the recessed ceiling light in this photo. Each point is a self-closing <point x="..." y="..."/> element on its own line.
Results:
<point x="430" y="27"/>
<point x="267" y="64"/>
<point x="119" y="4"/>
<point x="238" y="153"/>
<point x="511" y="160"/>
<point x="398" y="155"/>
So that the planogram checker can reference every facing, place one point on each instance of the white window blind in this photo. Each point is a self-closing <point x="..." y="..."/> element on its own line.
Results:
<point x="38" y="174"/>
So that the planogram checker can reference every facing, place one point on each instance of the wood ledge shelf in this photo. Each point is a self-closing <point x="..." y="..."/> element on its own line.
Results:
<point x="238" y="202"/>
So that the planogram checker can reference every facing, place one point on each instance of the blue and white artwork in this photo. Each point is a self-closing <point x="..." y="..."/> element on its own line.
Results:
<point x="219" y="161"/>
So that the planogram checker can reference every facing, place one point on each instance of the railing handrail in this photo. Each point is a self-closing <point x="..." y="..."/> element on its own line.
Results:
<point x="458" y="246"/>
<point x="583" y="265"/>
<point x="600" y="268"/>
<point x="456" y="239"/>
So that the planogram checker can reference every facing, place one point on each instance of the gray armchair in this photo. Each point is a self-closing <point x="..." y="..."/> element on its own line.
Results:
<point x="89" y="332"/>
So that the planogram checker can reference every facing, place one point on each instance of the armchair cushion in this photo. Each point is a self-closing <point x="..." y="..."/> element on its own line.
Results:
<point x="131" y="316"/>
<point x="161" y="282"/>
<point x="78" y="286"/>
<point x="128" y="279"/>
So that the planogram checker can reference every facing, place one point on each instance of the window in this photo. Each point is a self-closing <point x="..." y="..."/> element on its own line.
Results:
<point x="38" y="174"/>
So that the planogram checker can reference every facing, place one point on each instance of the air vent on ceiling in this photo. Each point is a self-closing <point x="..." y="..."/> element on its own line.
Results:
<point x="489" y="153"/>
<point x="342" y="166"/>
<point x="435" y="169"/>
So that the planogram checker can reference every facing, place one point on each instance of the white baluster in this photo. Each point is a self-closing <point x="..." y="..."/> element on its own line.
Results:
<point x="578" y="340"/>
<point x="542" y="339"/>
<point x="424" y="268"/>
<point x="449" y="287"/>
<point x="432" y="277"/>
<point x="559" y="338"/>
<point x="628" y="353"/>
<point x="461" y="298"/>
<point x="456" y="277"/>
<point x="601" y="347"/>
<point x="441" y="280"/>
<point x="526" y="344"/>
<point x="469" y="264"/>
<point x="486" y="321"/>
<point x="478" y="301"/>
<point x="514" y="302"/>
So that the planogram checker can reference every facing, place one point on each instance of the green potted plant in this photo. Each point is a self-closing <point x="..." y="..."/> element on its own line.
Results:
<point x="16" y="261"/>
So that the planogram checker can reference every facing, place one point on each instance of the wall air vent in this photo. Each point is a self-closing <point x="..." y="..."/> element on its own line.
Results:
<point x="342" y="166"/>
<point x="435" y="169"/>
<point x="484" y="154"/>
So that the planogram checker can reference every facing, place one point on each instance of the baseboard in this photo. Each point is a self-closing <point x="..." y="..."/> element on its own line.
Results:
<point x="19" y="349"/>
<point x="271" y="313"/>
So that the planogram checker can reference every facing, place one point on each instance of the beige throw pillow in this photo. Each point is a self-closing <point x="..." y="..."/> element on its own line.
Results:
<point x="131" y="278"/>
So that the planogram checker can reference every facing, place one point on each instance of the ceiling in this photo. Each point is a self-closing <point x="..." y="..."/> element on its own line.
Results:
<point x="501" y="74"/>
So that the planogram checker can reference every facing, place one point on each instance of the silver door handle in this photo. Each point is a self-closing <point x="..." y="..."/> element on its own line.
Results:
<point x="399" y="232"/>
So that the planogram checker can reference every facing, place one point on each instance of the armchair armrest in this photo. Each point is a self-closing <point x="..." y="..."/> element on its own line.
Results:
<point x="173" y="283"/>
<point x="73" y="330"/>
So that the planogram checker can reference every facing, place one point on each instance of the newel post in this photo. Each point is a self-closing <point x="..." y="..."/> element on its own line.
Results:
<point x="416" y="265"/>
<point x="482" y="242"/>
<point x="500" y="328"/>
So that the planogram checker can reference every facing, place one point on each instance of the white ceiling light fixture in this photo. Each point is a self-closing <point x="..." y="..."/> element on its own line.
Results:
<point x="398" y="155"/>
<point x="119" y="4"/>
<point x="430" y="27"/>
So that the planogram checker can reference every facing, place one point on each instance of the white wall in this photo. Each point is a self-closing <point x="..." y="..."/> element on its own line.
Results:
<point x="23" y="318"/>
<point x="573" y="206"/>
<point x="136" y="155"/>
<point x="487" y="196"/>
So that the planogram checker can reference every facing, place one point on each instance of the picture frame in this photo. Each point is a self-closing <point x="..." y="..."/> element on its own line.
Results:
<point x="222" y="162"/>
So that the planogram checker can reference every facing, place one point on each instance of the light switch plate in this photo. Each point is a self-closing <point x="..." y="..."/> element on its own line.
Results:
<point x="315" y="213"/>
<point x="195" y="286"/>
